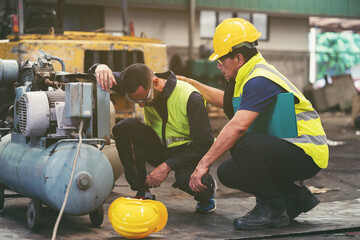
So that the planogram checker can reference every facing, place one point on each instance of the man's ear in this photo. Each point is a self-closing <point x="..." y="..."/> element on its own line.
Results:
<point x="240" y="59"/>
<point x="155" y="82"/>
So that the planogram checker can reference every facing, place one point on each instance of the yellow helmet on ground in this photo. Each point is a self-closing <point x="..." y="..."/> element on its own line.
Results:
<point x="232" y="32"/>
<point x="136" y="218"/>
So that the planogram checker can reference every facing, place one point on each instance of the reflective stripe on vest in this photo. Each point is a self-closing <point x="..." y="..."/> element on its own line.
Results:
<point x="169" y="141"/>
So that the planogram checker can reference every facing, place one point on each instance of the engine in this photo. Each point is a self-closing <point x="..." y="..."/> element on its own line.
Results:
<point x="49" y="103"/>
<point x="56" y="115"/>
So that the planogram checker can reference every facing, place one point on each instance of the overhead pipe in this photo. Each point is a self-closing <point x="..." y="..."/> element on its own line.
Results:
<point x="191" y="27"/>
<point x="125" y="18"/>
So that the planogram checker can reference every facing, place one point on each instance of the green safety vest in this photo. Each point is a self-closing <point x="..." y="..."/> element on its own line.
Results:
<point x="177" y="129"/>
<point x="311" y="136"/>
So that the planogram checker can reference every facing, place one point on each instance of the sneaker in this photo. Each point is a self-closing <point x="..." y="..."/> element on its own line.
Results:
<point x="144" y="195"/>
<point x="303" y="201"/>
<point x="208" y="205"/>
<point x="263" y="215"/>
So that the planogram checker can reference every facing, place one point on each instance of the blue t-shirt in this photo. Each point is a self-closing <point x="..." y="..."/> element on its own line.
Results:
<point x="258" y="93"/>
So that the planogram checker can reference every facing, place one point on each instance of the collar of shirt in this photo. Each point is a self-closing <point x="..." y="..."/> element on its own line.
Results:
<point x="169" y="84"/>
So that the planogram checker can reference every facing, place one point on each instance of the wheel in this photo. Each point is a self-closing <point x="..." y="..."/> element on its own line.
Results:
<point x="97" y="216"/>
<point x="33" y="214"/>
<point x="2" y="196"/>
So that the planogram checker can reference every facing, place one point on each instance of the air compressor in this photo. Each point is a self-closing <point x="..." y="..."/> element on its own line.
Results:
<point x="52" y="111"/>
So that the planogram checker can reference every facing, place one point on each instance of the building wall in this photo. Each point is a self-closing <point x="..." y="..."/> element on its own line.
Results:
<point x="286" y="48"/>
<point x="287" y="34"/>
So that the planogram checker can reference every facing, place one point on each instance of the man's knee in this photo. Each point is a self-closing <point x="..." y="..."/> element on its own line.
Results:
<point x="223" y="174"/>
<point x="124" y="126"/>
<point x="248" y="143"/>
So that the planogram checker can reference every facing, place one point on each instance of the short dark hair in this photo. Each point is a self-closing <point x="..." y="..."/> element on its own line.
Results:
<point x="248" y="53"/>
<point x="136" y="75"/>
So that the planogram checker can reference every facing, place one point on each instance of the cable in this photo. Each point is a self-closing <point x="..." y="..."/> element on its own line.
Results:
<point x="70" y="181"/>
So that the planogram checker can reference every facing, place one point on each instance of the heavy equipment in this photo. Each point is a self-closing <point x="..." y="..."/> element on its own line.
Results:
<point x="58" y="118"/>
<point x="33" y="51"/>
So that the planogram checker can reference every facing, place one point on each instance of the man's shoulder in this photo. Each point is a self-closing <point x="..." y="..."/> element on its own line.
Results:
<point x="261" y="83"/>
<point x="186" y="86"/>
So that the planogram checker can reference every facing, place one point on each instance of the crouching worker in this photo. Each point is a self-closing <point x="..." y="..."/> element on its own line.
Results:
<point x="175" y="137"/>
<point x="265" y="161"/>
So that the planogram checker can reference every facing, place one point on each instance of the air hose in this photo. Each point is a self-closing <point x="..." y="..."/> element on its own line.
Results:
<point x="70" y="181"/>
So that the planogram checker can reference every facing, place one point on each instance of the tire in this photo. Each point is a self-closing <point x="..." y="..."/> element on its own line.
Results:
<point x="97" y="217"/>
<point x="33" y="214"/>
<point x="2" y="196"/>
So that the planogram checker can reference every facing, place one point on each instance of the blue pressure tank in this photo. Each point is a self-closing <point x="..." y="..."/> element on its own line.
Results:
<point x="43" y="174"/>
<point x="54" y="112"/>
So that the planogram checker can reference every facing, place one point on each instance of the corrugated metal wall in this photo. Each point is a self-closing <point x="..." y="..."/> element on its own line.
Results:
<point x="329" y="8"/>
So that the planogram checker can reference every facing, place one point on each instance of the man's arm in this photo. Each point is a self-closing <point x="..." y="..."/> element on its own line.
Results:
<point x="229" y="135"/>
<point x="104" y="76"/>
<point x="212" y="95"/>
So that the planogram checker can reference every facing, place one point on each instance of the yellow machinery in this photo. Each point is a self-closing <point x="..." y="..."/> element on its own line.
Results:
<point x="79" y="51"/>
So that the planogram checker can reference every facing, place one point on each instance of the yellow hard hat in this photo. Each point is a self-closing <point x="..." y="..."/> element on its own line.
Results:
<point x="230" y="33"/>
<point x="136" y="218"/>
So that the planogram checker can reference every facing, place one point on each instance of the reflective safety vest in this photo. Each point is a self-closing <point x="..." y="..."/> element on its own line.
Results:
<point x="311" y="136"/>
<point x="176" y="129"/>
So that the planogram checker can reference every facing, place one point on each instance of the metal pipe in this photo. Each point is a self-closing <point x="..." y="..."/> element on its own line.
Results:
<point x="88" y="140"/>
<point x="312" y="67"/>
<point x="60" y="13"/>
<point x="9" y="71"/>
<point x="191" y="27"/>
<point x="125" y="19"/>
<point x="21" y="16"/>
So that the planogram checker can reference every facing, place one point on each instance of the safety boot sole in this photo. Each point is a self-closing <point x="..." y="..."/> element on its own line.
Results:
<point x="243" y="225"/>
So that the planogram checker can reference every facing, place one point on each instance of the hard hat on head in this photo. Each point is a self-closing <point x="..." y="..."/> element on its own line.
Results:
<point x="233" y="32"/>
<point x="136" y="218"/>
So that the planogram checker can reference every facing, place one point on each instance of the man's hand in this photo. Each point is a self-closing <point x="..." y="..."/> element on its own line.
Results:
<point x="104" y="77"/>
<point x="158" y="175"/>
<point x="195" y="179"/>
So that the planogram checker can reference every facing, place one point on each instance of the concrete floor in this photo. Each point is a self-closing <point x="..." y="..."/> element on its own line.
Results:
<point x="336" y="217"/>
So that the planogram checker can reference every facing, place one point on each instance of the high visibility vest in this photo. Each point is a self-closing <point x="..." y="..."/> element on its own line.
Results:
<point x="176" y="130"/>
<point x="311" y="136"/>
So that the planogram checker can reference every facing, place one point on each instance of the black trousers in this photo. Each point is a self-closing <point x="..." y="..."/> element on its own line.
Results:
<point x="266" y="166"/>
<point x="138" y="144"/>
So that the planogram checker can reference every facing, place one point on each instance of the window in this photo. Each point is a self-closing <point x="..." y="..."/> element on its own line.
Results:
<point x="260" y="22"/>
<point x="207" y="24"/>
<point x="210" y="19"/>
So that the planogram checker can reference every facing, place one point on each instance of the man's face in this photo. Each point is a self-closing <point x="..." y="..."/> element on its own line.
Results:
<point x="142" y="96"/>
<point x="229" y="66"/>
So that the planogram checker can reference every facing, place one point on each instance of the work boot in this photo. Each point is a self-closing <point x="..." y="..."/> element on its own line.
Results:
<point x="145" y="195"/>
<point x="266" y="213"/>
<point x="303" y="201"/>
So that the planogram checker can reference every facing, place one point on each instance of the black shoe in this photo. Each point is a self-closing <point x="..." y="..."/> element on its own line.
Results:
<point x="144" y="195"/>
<point x="303" y="201"/>
<point x="263" y="215"/>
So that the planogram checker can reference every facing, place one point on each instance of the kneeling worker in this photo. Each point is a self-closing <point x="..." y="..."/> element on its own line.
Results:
<point x="263" y="164"/>
<point x="175" y="137"/>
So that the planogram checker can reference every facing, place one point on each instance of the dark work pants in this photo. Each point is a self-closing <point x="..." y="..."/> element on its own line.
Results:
<point x="138" y="144"/>
<point x="266" y="167"/>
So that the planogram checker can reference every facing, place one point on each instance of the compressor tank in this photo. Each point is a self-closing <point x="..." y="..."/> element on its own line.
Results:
<point x="43" y="174"/>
